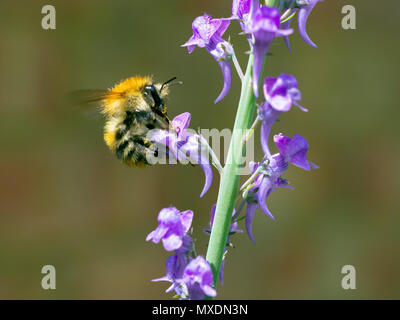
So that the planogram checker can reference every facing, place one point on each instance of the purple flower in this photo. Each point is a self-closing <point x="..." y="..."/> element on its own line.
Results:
<point x="185" y="146"/>
<point x="240" y="9"/>
<point x="172" y="228"/>
<point x="264" y="27"/>
<point x="232" y="230"/>
<point x="280" y="94"/>
<point x="243" y="11"/>
<point x="306" y="7"/>
<point x="291" y="150"/>
<point x="197" y="279"/>
<point x="176" y="264"/>
<point x="207" y="33"/>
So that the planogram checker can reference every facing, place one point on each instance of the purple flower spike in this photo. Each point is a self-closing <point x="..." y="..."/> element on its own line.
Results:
<point x="173" y="226"/>
<point x="207" y="33"/>
<point x="198" y="279"/>
<point x="264" y="26"/>
<point x="304" y="12"/>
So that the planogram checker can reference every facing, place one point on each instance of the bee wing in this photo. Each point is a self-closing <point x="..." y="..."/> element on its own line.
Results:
<point x="91" y="98"/>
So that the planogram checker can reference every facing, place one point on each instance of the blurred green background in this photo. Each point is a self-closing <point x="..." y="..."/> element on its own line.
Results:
<point x="65" y="200"/>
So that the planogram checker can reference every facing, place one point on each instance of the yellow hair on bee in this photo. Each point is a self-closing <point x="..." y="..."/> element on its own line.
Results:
<point x="115" y="101"/>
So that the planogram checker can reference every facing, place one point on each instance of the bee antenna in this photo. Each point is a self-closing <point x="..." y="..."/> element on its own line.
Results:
<point x="169" y="81"/>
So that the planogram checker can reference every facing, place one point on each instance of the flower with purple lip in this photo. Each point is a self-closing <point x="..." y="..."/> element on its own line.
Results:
<point x="176" y="264"/>
<point x="306" y="6"/>
<point x="207" y="33"/>
<point x="264" y="27"/>
<point x="172" y="228"/>
<point x="197" y="279"/>
<point x="291" y="150"/>
<point x="280" y="94"/>
<point x="185" y="146"/>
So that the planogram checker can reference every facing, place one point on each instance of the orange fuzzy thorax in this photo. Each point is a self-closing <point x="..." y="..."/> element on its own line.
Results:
<point x="128" y="88"/>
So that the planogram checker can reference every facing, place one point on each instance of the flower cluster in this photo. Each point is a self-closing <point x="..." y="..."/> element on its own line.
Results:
<point x="191" y="278"/>
<point x="261" y="24"/>
<point x="280" y="94"/>
<point x="268" y="174"/>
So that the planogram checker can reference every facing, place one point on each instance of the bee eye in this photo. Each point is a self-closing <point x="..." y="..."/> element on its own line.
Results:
<point x="151" y="91"/>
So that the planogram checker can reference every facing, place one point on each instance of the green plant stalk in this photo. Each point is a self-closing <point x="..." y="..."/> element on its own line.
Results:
<point x="272" y="3"/>
<point x="229" y="185"/>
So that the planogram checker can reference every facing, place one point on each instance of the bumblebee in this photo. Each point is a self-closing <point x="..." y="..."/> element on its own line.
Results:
<point x="131" y="108"/>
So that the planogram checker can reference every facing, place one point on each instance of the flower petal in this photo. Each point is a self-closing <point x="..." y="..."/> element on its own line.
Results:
<point x="250" y="211"/>
<point x="186" y="219"/>
<point x="181" y="122"/>
<point x="227" y="74"/>
<point x="282" y="142"/>
<point x="263" y="192"/>
<point x="208" y="174"/>
<point x="304" y="12"/>
<point x="209" y="291"/>
<point x="192" y="43"/>
<point x="172" y="242"/>
<point x="300" y="160"/>
<point x="157" y="234"/>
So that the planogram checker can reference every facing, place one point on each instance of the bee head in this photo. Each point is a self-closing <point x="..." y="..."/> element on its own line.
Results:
<point x="155" y="99"/>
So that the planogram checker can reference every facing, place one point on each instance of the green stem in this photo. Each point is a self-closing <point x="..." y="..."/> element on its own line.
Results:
<point x="229" y="185"/>
<point x="272" y="3"/>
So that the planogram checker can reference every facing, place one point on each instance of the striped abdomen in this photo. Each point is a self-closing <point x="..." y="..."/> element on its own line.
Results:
<point x="126" y="137"/>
